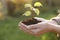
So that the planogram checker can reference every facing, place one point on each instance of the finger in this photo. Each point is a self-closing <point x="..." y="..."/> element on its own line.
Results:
<point x="22" y="26"/>
<point x="22" y="29"/>
<point x="26" y="30"/>
<point x="36" y="26"/>
<point x="39" y="19"/>
<point x="39" y="32"/>
<point x="33" y="27"/>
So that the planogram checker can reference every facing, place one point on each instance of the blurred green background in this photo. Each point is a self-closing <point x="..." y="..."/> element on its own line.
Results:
<point x="11" y="14"/>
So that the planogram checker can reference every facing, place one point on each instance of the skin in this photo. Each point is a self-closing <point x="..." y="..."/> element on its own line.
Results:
<point x="41" y="28"/>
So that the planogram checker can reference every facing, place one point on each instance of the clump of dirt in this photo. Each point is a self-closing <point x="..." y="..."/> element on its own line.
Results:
<point x="30" y="21"/>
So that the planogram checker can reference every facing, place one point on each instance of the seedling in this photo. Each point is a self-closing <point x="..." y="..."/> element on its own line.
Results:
<point x="33" y="10"/>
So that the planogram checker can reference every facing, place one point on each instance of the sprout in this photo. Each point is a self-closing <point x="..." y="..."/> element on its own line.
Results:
<point x="38" y="4"/>
<point x="32" y="9"/>
<point x="37" y="11"/>
<point x="27" y="13"/>
<point x="28" y="5"/>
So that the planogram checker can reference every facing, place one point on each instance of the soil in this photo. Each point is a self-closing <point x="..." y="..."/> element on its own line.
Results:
<point x="30" y="21"/>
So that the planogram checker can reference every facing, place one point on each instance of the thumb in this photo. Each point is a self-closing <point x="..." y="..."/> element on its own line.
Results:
<point x="39" y="19"/>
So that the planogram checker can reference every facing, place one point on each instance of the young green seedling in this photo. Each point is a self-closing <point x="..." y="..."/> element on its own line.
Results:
<point x="32" y="9"/>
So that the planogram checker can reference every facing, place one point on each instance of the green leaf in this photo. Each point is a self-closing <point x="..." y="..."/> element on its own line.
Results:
<point x="27" y="5"/>
<point x="27" y="13"/>
<point x="37" y="11"/>
<point x="38" y="4"/>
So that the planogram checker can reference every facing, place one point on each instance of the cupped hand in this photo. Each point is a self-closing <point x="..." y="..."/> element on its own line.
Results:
<point x="36" y="29"/>
<point x="40" y="28"/>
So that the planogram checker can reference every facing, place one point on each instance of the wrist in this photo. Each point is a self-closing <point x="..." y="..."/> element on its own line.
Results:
<point x="51" y="24"/>
<point x="54" y="28"/>
<point x="50" y="27"/>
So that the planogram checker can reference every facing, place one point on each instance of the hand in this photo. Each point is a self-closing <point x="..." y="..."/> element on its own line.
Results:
<point x="40" y="28"/>
<point x="36" y="29"/>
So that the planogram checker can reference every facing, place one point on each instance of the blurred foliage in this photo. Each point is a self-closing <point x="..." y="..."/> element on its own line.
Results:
<point x="16" y="7"/>
<point x="9" y="29"/>
<point x="56" y="2"/>
<point x="11" y="8"/>
<point x="1" y="16"/>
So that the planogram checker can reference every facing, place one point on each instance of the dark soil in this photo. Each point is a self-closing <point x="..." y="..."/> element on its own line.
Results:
<point x="30" y="21"/>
